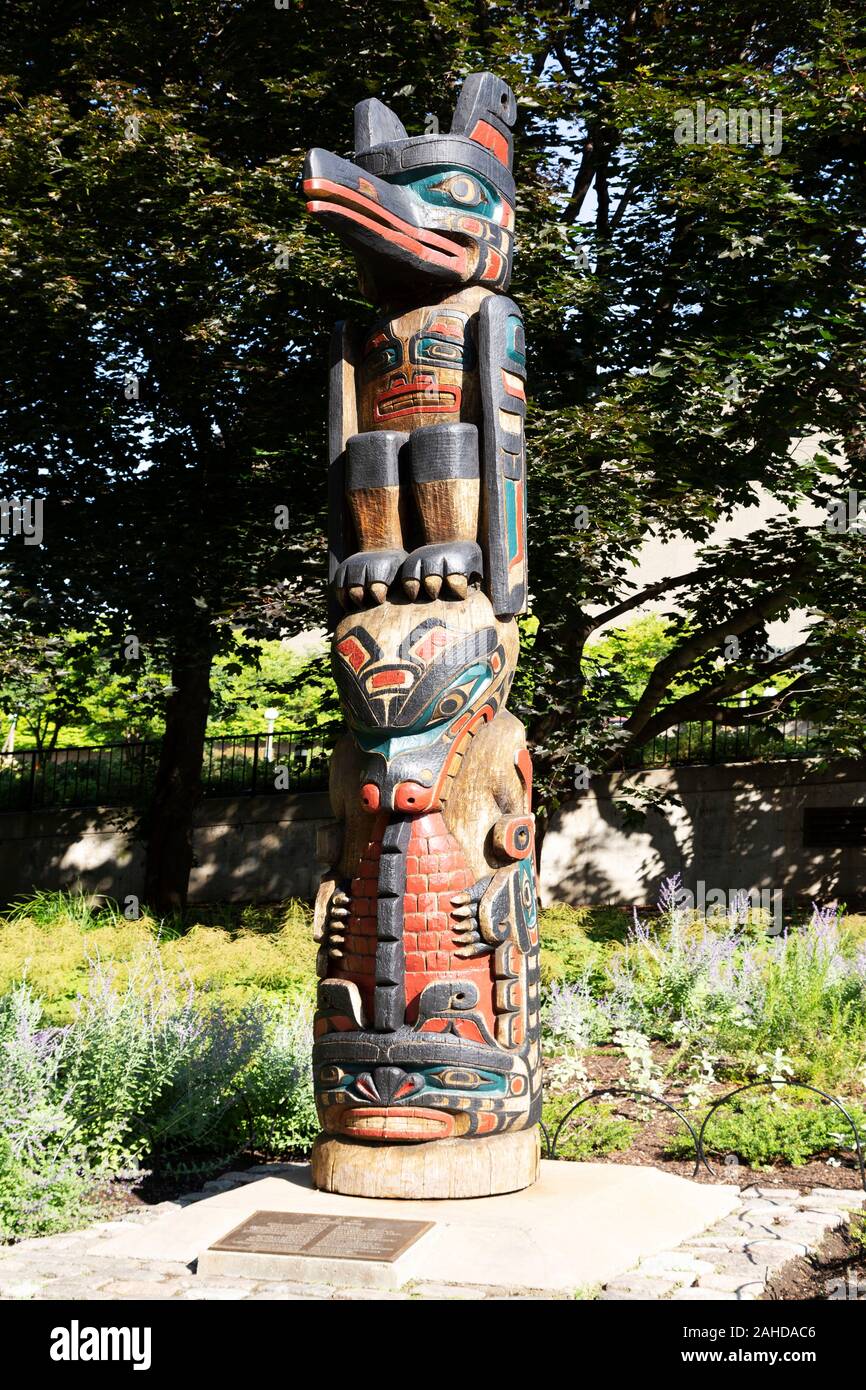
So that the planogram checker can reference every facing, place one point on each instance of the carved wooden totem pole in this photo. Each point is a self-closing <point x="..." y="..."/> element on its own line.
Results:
<point x="427" y="1056"/>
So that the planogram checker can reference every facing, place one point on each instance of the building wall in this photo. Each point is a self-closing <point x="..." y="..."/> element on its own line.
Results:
<point x="247" y="849"/>
<point x="732" y="827"/>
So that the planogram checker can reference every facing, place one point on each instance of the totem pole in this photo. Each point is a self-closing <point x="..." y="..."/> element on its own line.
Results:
<point x="427" y="1066"/>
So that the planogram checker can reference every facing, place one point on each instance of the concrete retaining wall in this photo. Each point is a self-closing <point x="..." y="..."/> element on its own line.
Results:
<point x="736" y="826"/>
<point x="247" y="849"/>
<point x="731" y="827"/>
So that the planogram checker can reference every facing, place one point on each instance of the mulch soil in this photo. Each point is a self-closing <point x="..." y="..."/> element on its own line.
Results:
<point x="658" y="1126"/>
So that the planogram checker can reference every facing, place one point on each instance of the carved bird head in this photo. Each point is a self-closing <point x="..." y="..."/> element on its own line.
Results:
<point x="434" y="209"/>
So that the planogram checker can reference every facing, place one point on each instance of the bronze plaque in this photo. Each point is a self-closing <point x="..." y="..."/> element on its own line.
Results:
<point x="325" y="1237"/>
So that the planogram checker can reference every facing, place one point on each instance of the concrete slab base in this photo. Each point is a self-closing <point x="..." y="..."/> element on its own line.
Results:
<point x="310" y="1269"/>
<point x="579" y="1226"/>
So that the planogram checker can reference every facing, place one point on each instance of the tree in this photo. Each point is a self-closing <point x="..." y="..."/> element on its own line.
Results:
<point x="47" y="681"/>
<point x="719" y="322"/>
<point x="692" y="309"/>
<point x="163" y="373"/>
<point x="264" y="674"/>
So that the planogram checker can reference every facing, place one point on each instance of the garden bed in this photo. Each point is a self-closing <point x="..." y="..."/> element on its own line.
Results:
<point x="656" y="1129"/>
<point x="181" y="1045"/>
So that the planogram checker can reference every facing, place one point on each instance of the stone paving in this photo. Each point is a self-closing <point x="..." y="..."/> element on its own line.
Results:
<point x="70" y="1266"/>
<point x="732" y="1260"/>
<point x="736" y="1258"/>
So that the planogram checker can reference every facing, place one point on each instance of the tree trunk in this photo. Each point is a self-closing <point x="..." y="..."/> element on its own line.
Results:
<point x="169" y="822"/>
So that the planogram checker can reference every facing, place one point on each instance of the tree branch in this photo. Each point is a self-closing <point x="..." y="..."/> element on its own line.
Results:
<point x="703" y="703"/>
<point x="757" y="709"/>
<point x="642" y="596"/>
<point x="697" y="645"/>
<point x="582" y="182"/>
<point x="623" y="204"/>
<point x="665" y="303"/>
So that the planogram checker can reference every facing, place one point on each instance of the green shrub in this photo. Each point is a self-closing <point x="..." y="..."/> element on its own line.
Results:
<point x="151" y="1070"/>
<point x="40" y="1197"/>
<point x="236" y="952"/>
<point x="568" y="950"/>
<point x="148" y="1066"/>
<point x="278" y="1086"/>
<point x="745" y="993"/>
<point x="857" y="1229"/>
<point x="44" y="1179"/>
<point x="46" y="909"/>
<point x="593" y="1131"/>
<point x="763" y="1130"/>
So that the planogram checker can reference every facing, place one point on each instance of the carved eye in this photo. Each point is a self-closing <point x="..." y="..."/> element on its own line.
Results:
<point x="331" y="1076"/>
<point x="452" y="701"/>
<point x="460" y="1077"/>
<point x="450" y="704"/>
<point x="462" y="189"/>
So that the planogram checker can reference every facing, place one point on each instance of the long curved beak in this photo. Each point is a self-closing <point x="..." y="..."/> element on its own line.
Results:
<point x="382" y="218"/>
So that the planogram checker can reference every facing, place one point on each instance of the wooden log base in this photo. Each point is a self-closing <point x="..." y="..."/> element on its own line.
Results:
<point x="444" y="1168"/>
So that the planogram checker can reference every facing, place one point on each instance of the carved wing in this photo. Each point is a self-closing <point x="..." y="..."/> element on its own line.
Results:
<point x="502" y="367"/>
<point x="342" y="424"/>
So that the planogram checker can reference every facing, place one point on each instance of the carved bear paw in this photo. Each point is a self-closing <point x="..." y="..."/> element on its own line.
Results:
<point x="455" y="564"/>
<point x="333" y="936"/>
<point x="367" y="576"/>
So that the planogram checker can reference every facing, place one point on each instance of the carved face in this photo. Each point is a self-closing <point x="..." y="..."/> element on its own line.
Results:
<point x="419" y="369"/>
<point x="481" y="1093"/>
<point x="440" y="1076"/>
<point x="416" y="680"/>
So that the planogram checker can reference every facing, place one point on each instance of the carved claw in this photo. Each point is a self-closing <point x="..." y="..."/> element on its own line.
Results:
<point x="336" y="923"/>
<point x="452" y="564"/>
<point x="465" y="909"/>
<point x="433" y="584"/>
<point x="367" y="576"/>
<point x="471" y="897"/>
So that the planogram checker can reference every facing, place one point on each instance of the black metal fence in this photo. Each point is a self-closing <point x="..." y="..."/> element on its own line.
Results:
<point x="707" y="741"/>
<point x="122" y="774"/>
